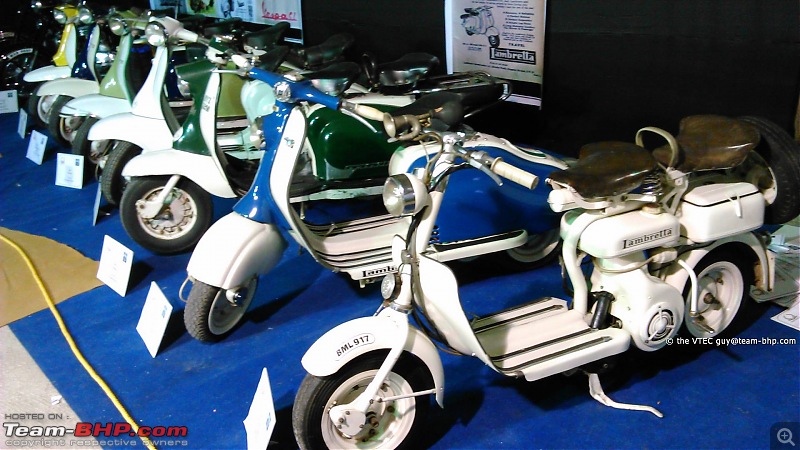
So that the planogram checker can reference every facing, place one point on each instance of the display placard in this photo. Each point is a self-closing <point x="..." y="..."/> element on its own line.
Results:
<point x="69" y="170"/>
<point x="260" y="420"/>
<point x="22" y="125"/>
<point x="8" y="101"/>
<point x="154" y="319"/>
<point x="116" y="262"/>
<point x="36" y="147"/>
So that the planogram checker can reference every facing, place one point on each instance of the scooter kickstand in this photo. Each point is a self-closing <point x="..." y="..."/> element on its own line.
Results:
<point x="596" y="391"/>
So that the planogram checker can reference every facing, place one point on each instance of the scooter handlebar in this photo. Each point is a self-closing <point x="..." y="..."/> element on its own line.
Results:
<point x="515" y="174"/>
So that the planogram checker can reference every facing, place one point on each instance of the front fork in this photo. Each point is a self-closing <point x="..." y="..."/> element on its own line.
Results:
<point x="350" y="418"/>
<point x="149" y="209"/>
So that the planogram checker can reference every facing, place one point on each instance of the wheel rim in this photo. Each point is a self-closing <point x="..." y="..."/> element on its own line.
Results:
<point x="224" y="315"/>
<point x="177" y="216"/>
<point x="389" y="423"/>
<point x="720" y="292"/>
<point x="536" y="248"/>
<point x="15" y="69"/>
<point x="44" y="105"/>
<point x="756" y="171"/>
<point x="97" y="150"/>
<point x="69" y="126"/>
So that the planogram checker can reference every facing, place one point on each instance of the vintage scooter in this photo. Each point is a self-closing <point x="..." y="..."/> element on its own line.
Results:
<point x="116" y="90"/>
<point x="249" y="242"/>
<point x="481" y="22"/>
<point x="673" y="241"/>
<point x="118" y="138"/>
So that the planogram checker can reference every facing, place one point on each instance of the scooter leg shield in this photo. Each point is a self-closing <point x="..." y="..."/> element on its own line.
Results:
<point x="235" y="249"/>
<point x="346" y="342"/>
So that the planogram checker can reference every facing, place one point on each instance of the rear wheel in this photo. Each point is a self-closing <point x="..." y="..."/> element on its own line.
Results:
<point x="112" y="183"/>
<point x="724" y="278"/>
<point x="178" y="223"/>
<point x="63" y="129"/>
<point x="774" y="167"/>
<point x="15" y="64"/>
<point x="391" y="425"/>
<point x="540" y="250"/>
<point x="210" y="315"/>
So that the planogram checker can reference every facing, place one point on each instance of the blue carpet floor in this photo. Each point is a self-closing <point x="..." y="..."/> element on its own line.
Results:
<point x="722" y="397"/>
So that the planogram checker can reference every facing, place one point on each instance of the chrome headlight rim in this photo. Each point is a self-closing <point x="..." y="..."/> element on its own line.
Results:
<point x="390" y="286"/>
<point x="401" y="195"/>
<point x="118" y="25"/>
<point x="85" y="15"/>
<point x="156" y="34"/>
<point x="60" y="16"/>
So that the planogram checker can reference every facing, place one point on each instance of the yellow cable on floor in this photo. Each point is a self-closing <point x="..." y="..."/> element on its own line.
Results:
<point x="147" y="442"/>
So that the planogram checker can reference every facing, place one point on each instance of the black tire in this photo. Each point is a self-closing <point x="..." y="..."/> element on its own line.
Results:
<point x="540" y="250"/>
<point x="781" y="182"/>
<point x="314" y="430"/>
<point x="15" y="67"/>
<point x="62" y="130"/>
<point x="112" y="184"/>
<point x="724" y="279"/>
<point x="92" y="151"/>
<point x="209" y="316"/>
<point x="179" y="224"/>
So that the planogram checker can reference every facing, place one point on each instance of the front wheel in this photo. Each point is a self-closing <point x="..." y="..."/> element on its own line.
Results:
<point x="39" y="109"/>
<point x="724" y="277"/>
<point x="62" y="129"/>
<point x="210" y="315"/>
<point x="392" y="424"/>
<point x="178" y="223"/>
<point x="112" y="183"/>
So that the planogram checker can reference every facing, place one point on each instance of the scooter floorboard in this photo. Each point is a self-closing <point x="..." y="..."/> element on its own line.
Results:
<point x="543" y="338"/>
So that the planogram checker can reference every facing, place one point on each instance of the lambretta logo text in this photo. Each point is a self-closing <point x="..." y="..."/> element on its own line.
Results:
<point x="376" y="272"/>
<point x="512" y="55"/>
<point x="627" y="243"/>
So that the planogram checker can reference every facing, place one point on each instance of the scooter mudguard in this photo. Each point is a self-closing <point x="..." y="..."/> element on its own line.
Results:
<point x="47" y="73"/>
<point x="677" y="277"/>
<point x="201" y="169"/>
<point x="148" y="134"/>
<point x="74" y="87"/>
<point x="346" y="342"/>
<point x="95" y="105"/>
<point x="233" y="250"/>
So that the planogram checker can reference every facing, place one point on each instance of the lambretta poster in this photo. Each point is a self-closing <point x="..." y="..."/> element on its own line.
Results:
<point x="256" y="11"/>
<point x="502" y="37"/>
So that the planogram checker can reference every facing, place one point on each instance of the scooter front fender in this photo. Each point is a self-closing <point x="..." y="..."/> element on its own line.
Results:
<point x="201" y="169"/>
<point x="95" y="105"/>
<point x="149" y="134"/>
<point x="354" y="338"/>
<point x="234" y="249"/>
<point x="47" y="73"/>
<point x="74" y="87"/>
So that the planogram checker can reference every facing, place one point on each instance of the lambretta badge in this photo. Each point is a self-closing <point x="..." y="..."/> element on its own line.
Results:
<point x="628" y="243"/>
<point x="378" y="272"/>
<point x="512" y="55"/>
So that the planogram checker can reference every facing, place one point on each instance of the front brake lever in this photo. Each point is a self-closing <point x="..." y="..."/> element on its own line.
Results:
<point x="476" y="163"/>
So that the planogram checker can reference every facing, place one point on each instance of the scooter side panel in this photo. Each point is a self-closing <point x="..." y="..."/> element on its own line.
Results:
<point x="233" y="250"/>
<point x="341" y="345"/>
<point x="149" y="134"/>
<point x="95" y="105"/>
<point x="47" y="73"/>
<point x="199" y="168"/>
<point x="74" y="87"/>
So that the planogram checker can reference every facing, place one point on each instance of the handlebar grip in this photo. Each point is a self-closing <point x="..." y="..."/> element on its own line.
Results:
<point x="515" y="174"/>
<point x="368" y="112"/>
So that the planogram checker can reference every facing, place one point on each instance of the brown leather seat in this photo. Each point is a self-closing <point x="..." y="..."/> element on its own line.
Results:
<point x="711" y="142"/>
<point x="606" y="169"/>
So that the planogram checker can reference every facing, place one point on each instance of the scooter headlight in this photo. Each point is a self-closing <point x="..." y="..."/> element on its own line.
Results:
<point x="85" y="15"/>
<point x="117" y="25"/>
<point x="403" y="194"/>
<point x="156" y="34"/>
<point x="60" y="16"/>
<point x="390" y="286"/>
<point x="37" y="4"/>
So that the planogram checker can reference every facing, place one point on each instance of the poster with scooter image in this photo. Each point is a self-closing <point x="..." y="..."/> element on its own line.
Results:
<point x="502" y="37"/>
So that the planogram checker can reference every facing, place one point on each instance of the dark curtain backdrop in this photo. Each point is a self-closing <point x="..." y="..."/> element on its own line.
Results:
<point x="611" y="66"/>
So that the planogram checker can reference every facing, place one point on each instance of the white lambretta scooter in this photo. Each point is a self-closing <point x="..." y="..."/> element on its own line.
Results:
<point x="671" y="248"/>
